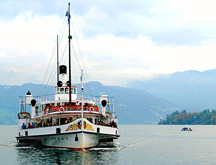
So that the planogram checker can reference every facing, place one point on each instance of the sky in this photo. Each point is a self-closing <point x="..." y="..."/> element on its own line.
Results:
<point x="119" y="41"/>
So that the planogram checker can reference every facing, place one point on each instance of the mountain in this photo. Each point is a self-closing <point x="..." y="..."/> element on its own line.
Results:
<point x="133" y="106"/>
<point x="191" y="90"/>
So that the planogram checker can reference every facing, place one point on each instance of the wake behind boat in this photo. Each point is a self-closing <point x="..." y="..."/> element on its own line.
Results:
<point x="67" y="119"/>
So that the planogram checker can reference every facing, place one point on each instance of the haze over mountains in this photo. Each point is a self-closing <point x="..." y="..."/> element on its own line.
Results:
<point x="131" y="105"/>
<point x="191" y="90"/>
<point x="151" y="101"/>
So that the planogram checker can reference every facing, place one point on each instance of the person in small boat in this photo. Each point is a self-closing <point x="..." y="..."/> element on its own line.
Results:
<point x="49" y="124"/>
<point x="67" y="121"/>
<point x="110" y="124"/>
<point x="113" y="124"/>
<point x="45" y="124"/>
<point x="100" y="122"/>
<point x="40" y="123"/>
<point x="23" y="126"/>
<point x="29" y="125"/>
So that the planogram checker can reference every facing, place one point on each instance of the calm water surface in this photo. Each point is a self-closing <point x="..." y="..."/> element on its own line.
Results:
<point x="138" y="144"/>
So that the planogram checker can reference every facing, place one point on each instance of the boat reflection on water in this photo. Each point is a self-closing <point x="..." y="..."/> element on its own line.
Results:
<point x="36" y="155"/>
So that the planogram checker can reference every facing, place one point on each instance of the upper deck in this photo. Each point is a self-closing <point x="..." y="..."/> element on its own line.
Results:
<point x="48" y="105"/>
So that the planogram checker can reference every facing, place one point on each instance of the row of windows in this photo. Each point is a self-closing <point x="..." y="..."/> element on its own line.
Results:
<point x="65" y="91"/>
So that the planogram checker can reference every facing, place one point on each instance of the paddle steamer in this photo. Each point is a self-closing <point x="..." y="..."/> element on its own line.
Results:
<point x="67" y="119"/>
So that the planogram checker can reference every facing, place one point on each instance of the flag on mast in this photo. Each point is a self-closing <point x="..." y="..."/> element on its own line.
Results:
<point x="68" y="15"/>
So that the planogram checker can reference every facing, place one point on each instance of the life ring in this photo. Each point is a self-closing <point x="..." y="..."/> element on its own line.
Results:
<point x="91" y="109"/>
<point x="22" y="114"/>
<point x="61" y="109"/>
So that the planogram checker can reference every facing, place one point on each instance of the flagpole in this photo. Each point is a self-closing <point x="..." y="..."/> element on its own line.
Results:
<point x="82" y="90"/>
<point x="69" y="38"/>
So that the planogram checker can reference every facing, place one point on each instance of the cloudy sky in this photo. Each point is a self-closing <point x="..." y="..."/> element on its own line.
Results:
<point x="120" y="41"/>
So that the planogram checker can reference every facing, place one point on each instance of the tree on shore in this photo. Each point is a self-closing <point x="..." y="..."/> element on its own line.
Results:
<point x="204" y="117"/>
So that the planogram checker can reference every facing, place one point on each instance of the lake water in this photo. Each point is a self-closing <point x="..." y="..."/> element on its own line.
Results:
<point x="138" y="144"/>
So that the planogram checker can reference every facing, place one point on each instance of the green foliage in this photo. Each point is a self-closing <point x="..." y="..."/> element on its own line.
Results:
<point x="205" y="117"/>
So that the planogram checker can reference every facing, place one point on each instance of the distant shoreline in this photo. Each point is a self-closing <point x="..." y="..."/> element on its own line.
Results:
<point x="205" y="117"/>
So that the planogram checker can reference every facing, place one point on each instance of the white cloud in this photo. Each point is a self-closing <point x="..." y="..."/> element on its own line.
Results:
<point x="26" y="43"/>
<point x="120" y="41"/>
<point x="118" y="59"/>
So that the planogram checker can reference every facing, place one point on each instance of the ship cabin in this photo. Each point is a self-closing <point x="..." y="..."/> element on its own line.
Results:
<point x="56" y="110"/>
<point x="62" y="93"/>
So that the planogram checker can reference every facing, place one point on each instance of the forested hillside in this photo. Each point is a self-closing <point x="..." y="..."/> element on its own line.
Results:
<point x="204" y="117"/>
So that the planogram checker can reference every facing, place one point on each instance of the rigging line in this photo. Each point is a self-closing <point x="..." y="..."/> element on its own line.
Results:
<point x="49" y="64"/>
<point x="55" y="45"/>
<point x="64" y="52"/>
<point x="47" y="70"/>
<point x="54" y="66"/>
<point x="60" y="41"/>
<point x="85" y="75"/>
<point x="76" y="57"/>
<point x="51" y="70"/>
<point x="51" y="76"/>
<point x="63" y="24"/>
<point x="61" y="34"/>
<point x="81" y="69"/>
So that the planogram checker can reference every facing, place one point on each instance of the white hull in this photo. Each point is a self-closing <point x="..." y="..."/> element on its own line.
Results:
<point x="72" y="141"/>
<point x="69" y="136"/>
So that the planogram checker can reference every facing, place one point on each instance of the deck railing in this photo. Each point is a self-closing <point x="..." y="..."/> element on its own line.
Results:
<point x="66" y="108"/>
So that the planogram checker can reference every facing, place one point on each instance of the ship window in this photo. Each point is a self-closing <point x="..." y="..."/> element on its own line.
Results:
<point x="89" y="119"/>
<point x="97" y="121"/>
<point x="62" y="121"/>
<point x="26" y="133"/>
<point x="73" y="90"/>
<point x="58" y="130"/>
<point x="58" y="90"/>
<point x="98" y="130"/>
<point x="62" y="90"/>
<point x="36" y="110"/>
<point x="66" y="90"/>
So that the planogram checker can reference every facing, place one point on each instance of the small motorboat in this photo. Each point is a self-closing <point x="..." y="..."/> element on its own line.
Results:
<point x="186" y="129"/>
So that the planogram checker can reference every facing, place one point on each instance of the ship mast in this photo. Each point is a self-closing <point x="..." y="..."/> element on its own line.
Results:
<point x="69" y="40"/>
<point x="57" y="61"/>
